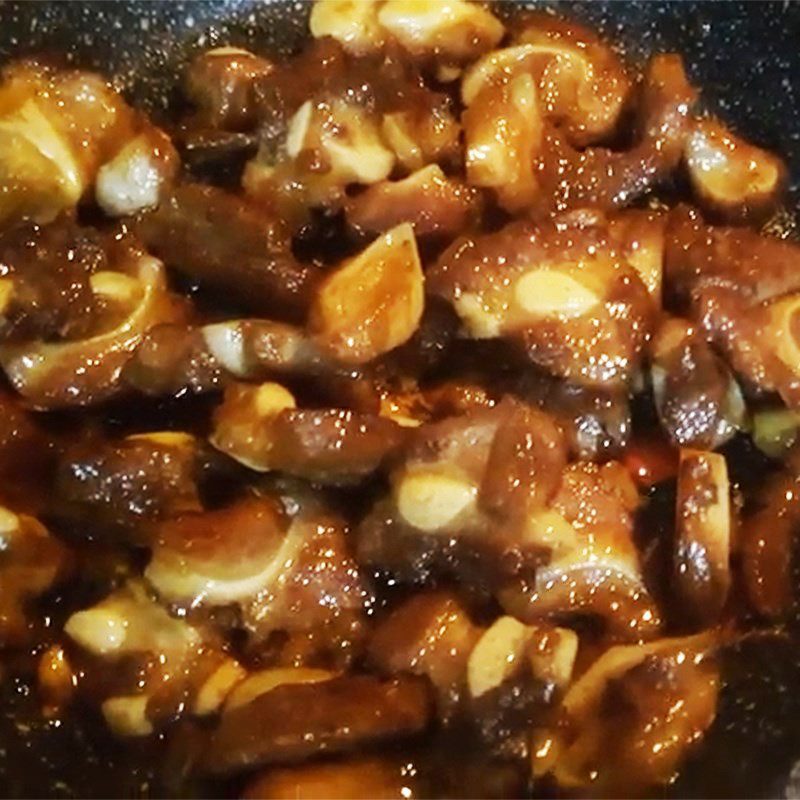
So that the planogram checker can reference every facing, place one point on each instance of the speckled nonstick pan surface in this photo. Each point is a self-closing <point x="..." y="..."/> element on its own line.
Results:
<point x="746" y="59"/>
<point x="745" y="55"/>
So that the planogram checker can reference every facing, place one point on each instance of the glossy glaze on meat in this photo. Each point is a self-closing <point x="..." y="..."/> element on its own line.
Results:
<point x="447" y="449"/>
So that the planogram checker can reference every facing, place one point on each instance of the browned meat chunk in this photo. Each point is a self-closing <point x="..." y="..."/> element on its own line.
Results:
<point x="594" y="568"/>
<point x="596" y="423"/>
<point x="698" y="255"/>
<point x="339" y="715"/>
<point x="87" y="369"/>
<point x="145" y="667"/>
<point x="261" y="428"/>
<point x="698" y="401"/>
<point x="742" y="288"/>
<point x="172" y="359"/>
<point x="429" y="635"/>
<point x="45" y="290"/>
<point x="603" y="178"/>
<point x="219" y="240"/>
<point x="289" y="576"/>
<point x="130" y="483"/>
<point x="768" y="537"/>
<point x="434" y="204"/>
<point x="222" y="83"/>
<point x="580" y="311"/>
<point x="637" y="712"/>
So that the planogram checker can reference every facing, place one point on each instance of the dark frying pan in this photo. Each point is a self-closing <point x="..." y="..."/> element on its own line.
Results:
<point x="744" y="55"/>
<point x="746" y="58"/>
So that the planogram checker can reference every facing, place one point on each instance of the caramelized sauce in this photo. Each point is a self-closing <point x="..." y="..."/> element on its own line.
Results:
<point x="751" y="746"/>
